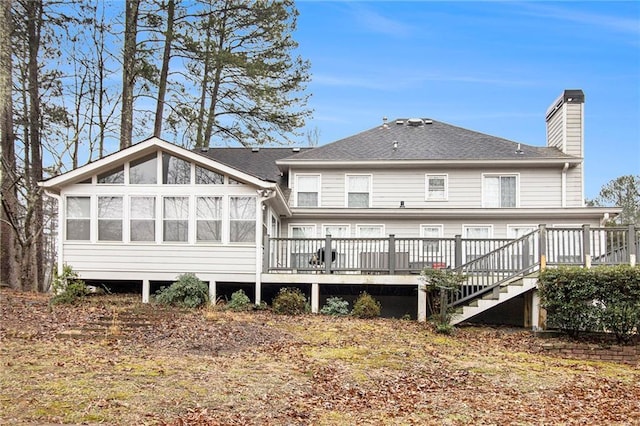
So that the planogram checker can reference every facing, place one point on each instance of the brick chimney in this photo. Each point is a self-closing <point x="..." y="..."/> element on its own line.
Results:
<point x="565" y="123"/>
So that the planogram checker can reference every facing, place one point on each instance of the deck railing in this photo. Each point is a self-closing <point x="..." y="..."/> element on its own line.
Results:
<point x="500" y="257"/>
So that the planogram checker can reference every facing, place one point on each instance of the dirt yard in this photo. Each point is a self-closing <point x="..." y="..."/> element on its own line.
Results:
<point x="115" y="361"/>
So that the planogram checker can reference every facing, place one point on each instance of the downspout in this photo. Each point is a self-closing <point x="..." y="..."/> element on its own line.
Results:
<point x="564" y="185"/>
<point x="264" y="194"/>
<point x="59" y="244"/>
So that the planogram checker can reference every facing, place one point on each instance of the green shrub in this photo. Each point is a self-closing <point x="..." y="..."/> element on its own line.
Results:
<point x="239" y="302"/>
<point x="188" y="291"/>
<point x="290" y="301"/>
<point x="67" y="287"/>
<point x="366" y="306"/>
<point x="439" y="284"/>
<point x="335" y="306"/>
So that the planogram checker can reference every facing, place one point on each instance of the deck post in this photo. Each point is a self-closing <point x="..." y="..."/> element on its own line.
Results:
<point x="212" y="292"/>
<point x="422" y="302"/>
<point x="536" y="316"/>
<point x="633" y="249"/>
<point x="328" y="254"/>
<point x="458" y="251"/>
<point x="586" y="246"/>
<point x="543" y="246"/>
<point x="392" y="254"/>
<point x="146" y="290"/>
<point x="315" y="298"/>
<point x="266" y="256"/>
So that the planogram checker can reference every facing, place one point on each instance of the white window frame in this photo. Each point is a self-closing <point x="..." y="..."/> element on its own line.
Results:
<point x="188" y="219"/>
<point x="428" y="196"/>
<point x="120" y="218"/>
<point x="252" y="220"/>
<point x="209" y="219"/>
<point x="425" y="249"/>
<point x="380" y="226"/>
<point x="83" y="218"/>
<point x="346" y="226"/>
<point x="347" y="187"/>
<point x="465" y="228"/>
<point x="514" y="235"/>
<point x="318" y="179"/>
<point x="501" y="175"/>
<point x="131" y="218"/>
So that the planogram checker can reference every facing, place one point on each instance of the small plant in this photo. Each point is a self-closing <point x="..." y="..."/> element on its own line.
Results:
<point x="290" y="301"/>
<point x="67" y="287"/>
<point x="366" y="306"/>
<point x="438" y="283"/>
<point x="188" y="291"/>
<point x="335" y="306"/>
<point x="239" y="302"/>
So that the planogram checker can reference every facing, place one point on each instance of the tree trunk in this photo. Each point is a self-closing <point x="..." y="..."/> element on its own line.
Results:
<point x="128" y="71"/>
<point x="164" y="72"/>
<point x="9" y="268"/>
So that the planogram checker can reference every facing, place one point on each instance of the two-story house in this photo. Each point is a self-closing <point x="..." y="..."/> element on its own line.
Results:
<point x="372" y="209"/>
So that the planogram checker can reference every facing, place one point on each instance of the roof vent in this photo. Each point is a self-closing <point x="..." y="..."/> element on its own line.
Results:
<point x="415" y="122"/>
<point x="399" y="122"/>
<point x="255" y="149"/>
<point x="204" y="149"/>
<point x="427" y="121"/>
<point x="384" y="123"/>
<point x="295" y="149"/>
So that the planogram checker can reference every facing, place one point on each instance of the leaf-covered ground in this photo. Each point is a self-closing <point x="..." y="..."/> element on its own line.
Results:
<point x="115" y="361"/>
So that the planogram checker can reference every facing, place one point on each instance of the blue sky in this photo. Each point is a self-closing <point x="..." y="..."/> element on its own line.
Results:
<point x="493" y="67"/>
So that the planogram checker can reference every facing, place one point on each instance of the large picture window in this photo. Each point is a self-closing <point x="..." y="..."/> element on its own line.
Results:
<point x="358" y="191"/>
<point x="175" y="171"/>
<point x="499" y="191"/>
<point x="144" y="171"/>
<point x="78" y="218"/>
<point x="109" y="218"/>
<point x="308" y="188"/>
<point x="242" y="219"/>
<point x="175" y="219"/>
<point x="209" y="219"/>
<point x="143" y="219"/>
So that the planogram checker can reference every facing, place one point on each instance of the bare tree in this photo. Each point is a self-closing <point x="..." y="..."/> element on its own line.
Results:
<point x="128" y="71"/>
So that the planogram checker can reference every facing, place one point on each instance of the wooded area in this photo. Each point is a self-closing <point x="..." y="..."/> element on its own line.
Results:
<point x="80" y="79"/>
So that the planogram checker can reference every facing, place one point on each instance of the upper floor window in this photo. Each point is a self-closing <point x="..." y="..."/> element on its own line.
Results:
<point x="358" y="191"/>
<point x="142" y="219"/>
<point x="110" y="218"/>
<point x="176" y="219"/>
<point x="308" y="190"/>
<point x="144" y="170"/>
<point x="209" y="219"/>
<point x="112" y="176"/>
<point x="499" y="190"/>
<point x="436" y="187"/>
<point x="175" y="171"/>
<point x="79" y="218"/>
<point x="208" y="177"/>
<point x="242" y="219"/>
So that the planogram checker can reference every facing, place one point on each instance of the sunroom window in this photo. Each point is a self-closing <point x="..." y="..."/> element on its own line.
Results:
<point x="78" y="218"/>
<point x="175" y="171"/>
<point x="144" y="171"/>
<point x="143" y="219"/>
<point x="242" y="219"/>
<point x="176" y="219"/>
<point x="209" y="219"/>
<point x="208" y="177"/>
<point x="112" y="176"/>
<point x="109" y="218"/>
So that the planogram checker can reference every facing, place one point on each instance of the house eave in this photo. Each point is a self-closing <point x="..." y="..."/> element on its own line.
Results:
<point x="519" y="162"/>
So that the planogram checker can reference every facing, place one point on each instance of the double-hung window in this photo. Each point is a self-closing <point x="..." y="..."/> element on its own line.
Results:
<point x="209" y="219"/>
<point x="110" y="218"/>
<point x="308" y="189"/>
<point x="358" y="191"/>
<point x="242" y="219"/>
<point x="78" y="218"/>
<point x="175" y="219"/>
<point x="142" y="220"/>
<point x="431" y="245"/>
<point x="436" y="187"/>
<point x="499" y="190"/>
<point x="369" y="231"/>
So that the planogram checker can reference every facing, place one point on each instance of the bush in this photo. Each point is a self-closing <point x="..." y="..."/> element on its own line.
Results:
<point x="603" y="298"/>
<point x="68" y="288"/>
<point x="188" y="291"/>
<point x="335" y="306"/>
<point x="290" y="301"/>
<point x="239" y="302"/>
<point x="366" y="306"/>
<point x="439" y="284"/>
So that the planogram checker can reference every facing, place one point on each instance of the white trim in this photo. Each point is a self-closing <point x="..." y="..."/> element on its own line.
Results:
<point x="318" y="177"/>
<point x="445" y="197"/>
<point x="346" y="188"/>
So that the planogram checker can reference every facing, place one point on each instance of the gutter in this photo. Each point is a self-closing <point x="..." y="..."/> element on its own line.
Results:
<point x="564" y="184"/>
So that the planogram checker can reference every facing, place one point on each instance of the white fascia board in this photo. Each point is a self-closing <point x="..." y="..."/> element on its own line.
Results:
<point x="54" y="184"/>
<point x="539" y="162"/>
<point x="543" y="214"/>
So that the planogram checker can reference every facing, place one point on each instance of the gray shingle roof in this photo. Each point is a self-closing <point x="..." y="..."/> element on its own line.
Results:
<point x="260" y="163"/>
<point x="433" y="140"/>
